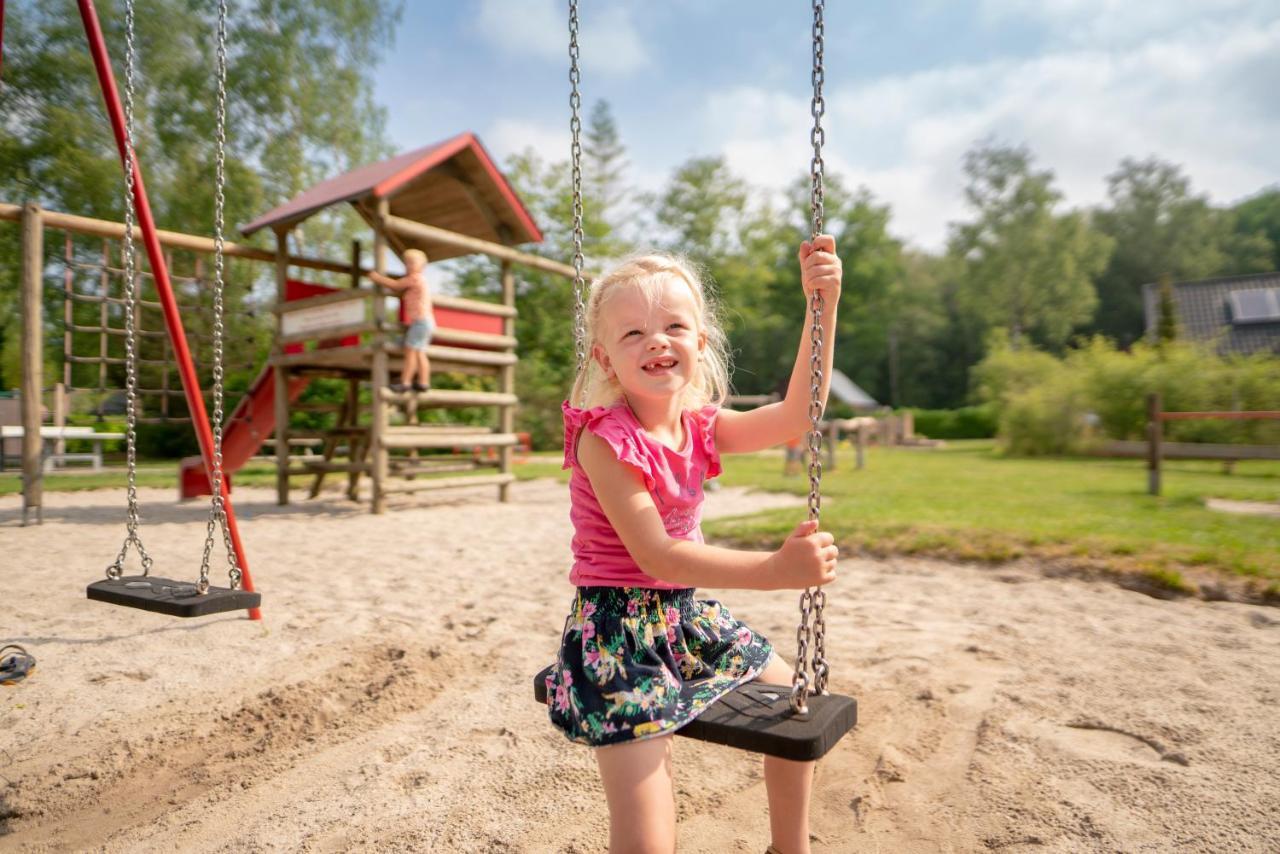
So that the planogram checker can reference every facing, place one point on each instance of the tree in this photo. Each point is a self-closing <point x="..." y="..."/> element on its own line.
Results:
<point x="300" y="108"/>
<point x="1259" y="217"/>
<point x="934" y="341"/>
<point x="1167" y="322"/>
<point x="703" y="209"/>
<point x="1161" y="228"/>
<point x="604" y="182"/>
<point x="1026" y="269"/>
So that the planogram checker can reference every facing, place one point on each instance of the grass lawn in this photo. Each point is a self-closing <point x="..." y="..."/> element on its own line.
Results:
<point x="967" y="502"/>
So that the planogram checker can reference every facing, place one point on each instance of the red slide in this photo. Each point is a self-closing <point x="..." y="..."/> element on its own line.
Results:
<point x="254" y="418"/>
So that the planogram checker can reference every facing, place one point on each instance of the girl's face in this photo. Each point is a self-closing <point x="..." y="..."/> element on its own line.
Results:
<point x="650" y="338"/>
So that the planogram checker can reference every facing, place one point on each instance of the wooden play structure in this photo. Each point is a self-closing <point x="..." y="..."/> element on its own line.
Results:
<point x="446" y="199"/>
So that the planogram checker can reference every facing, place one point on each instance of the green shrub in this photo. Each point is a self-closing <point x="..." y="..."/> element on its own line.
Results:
<point x="167" y="441"/>
<point x="969" y="422"/>
<point x="1041" y="402"/>
<point x="1046" y="419"/>
<point x="1006" y="371"/>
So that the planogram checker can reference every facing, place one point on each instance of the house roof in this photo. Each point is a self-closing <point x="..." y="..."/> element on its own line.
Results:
<point x="848" y="391"/>
<point x="1204" y="313"/>
<point x="452" y="184"/>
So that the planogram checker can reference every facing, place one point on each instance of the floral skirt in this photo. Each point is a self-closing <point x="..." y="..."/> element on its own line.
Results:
<point x="636" y="663"/>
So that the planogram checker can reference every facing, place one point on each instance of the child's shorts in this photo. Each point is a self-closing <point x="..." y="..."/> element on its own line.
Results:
<point x="637" y="663"/>
<point x="418" y="335"/>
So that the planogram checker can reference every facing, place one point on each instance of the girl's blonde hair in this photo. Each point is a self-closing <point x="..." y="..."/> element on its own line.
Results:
<point x="710" y="383"/>
<point x="416" y="255"/>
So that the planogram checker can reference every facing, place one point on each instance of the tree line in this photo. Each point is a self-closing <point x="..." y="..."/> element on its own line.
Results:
<point x="1018" y="269"/>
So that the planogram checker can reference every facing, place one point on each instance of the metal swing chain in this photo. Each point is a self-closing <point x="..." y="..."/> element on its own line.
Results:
<point x="128" y="250"/>
<point x="812" y="626"/>
<point x="217" y="506"/>
<point x="575" y="127"/>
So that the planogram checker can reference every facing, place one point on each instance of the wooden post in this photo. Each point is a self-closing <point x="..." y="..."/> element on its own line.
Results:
<point x="32" y="360"/>
<point x="68" y="309"/>
<point x="281" y="373"/>
<point x="355" y="263"/>
<point x="1155" y="442"/>
<point x="104" y="317"/>
<point x="379" y="375"/>
<point x="861" y="441"/>
<point x="507" y="381"/>
<point x="59" y="415"/>
<point x="832" y="438"/>
<point x="355" y="446"/>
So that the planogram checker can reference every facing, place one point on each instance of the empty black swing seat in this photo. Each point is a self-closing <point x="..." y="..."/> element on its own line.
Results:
<point x="166" y="596"/>
<point x="758" y="717"/>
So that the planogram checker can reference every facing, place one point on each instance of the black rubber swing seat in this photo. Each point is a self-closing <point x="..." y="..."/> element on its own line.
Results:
<point x="175" y="598"/>
<point x="758" y="717"/>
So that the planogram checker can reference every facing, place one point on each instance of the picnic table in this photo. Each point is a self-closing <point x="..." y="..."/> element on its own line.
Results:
<point x="51" y="436"/>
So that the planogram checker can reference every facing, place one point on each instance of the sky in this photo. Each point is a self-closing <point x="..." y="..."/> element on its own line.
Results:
<point x="910" y="86"/>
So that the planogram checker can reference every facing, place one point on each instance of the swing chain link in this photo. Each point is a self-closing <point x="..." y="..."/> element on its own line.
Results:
<point x="575" y="127"/>
<point x="217" y="505"/>
<point x="812" y="601"/>
<point x="819" y="137"/>
<point x="129" y="257"/>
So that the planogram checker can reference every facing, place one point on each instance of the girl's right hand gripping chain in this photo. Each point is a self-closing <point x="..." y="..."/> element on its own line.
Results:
<point x="807" y="559"/>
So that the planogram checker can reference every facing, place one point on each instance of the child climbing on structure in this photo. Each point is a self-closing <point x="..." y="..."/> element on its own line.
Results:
<point x="415" y="296"/>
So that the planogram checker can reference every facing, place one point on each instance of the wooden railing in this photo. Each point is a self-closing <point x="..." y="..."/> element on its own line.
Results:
<point x="1158" y="449"/>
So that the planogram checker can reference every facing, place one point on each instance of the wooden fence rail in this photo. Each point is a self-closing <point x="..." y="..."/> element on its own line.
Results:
<point x="1157" y="449"/>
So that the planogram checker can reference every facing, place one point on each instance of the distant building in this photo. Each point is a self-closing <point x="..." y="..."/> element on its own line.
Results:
<point x="1241" y="314"/>
<point x="846" y="390"/>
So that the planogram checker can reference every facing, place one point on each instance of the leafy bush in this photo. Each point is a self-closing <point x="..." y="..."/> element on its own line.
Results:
<point x="1046" y="405"/>
<point x="167" y="441"/>
<point x="1007" y="371"/>
<point x="1048" y="418"/>
<point x="969" y="422"/>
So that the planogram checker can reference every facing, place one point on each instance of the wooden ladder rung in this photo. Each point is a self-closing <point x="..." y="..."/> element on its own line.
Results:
<point x="449" y="397"/>
<point x="463" y="356"/>
<point x="410" y="437"/>
<point x="449" y="483"/>
<point x="318" y="466"/>
<point x="404" y="467"/>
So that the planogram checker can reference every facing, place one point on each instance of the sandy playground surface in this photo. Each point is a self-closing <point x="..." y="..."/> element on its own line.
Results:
<point x="385" y="702"/>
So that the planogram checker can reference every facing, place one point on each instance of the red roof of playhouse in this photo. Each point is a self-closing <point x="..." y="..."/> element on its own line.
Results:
<point x="452" y="185"/>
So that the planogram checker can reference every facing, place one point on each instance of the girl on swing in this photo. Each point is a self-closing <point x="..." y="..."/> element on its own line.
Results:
<point x="640" y="656"/>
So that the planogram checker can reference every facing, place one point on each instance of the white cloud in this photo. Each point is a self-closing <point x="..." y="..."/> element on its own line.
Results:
<point x="1199" y="97"/>
<point x="513" y="136"/>
<point x="1114" y="22"/>
<point x="608" y="38"/>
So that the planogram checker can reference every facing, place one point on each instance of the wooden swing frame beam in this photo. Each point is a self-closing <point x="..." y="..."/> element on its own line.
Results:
<point x="160" y="271"/>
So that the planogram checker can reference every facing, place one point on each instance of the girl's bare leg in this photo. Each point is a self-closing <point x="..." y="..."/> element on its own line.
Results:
<point x="637" y="784"/>
<point x="788" y="784"/>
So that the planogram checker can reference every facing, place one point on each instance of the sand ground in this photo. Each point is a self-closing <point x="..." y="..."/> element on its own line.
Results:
<point x="385" y="701"/>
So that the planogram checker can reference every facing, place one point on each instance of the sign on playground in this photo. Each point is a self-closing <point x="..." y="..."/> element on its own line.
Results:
<point x="322" y="317"/>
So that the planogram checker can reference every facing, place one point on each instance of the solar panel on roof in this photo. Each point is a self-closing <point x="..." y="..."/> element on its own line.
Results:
<point x="1257" y="305"/>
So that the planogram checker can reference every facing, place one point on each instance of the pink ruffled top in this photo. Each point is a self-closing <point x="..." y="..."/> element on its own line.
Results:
<point x="673" y="478"/>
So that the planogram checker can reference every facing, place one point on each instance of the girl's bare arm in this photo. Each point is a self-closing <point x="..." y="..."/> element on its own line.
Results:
<point x="807" y="558"/>
<point x="775" y="423"/>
